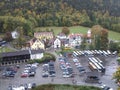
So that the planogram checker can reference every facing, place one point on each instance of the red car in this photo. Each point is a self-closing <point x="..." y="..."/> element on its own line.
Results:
<point x="24" y="74"/>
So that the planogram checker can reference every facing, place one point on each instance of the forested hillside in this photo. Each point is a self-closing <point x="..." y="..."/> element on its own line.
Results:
<point x="29" y="14"/>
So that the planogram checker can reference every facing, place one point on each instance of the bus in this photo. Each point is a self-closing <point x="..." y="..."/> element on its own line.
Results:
<point x="98" y="65"/>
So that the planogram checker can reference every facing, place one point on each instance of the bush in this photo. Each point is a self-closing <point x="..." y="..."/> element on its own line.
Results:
<point x="64" y="87"/>
<point x="118" y="60"/>
<point x="119" y="54"/>
<point x="31" y="61"/>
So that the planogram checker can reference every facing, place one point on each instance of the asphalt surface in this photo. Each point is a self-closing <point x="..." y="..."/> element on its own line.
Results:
<point x="111" y="66"/>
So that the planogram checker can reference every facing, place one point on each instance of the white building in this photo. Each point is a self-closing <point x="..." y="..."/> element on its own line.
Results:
<point x="57" y="43"/>
<point x="15" y="34"/>
<point x="36" y="54"/>
<point x="75" y="39"/>
<point x="89" y="36"/>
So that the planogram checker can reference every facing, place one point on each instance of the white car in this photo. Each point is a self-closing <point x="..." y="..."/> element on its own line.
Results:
<point x="66" y="76"/>
<point x="77" y="64"/>
<point x="26" y="71"/>
<point x="27" y="68"/>
<point x="104" y="87"/>
<point x="18" y="88"/>
<point x="29" y="86"/>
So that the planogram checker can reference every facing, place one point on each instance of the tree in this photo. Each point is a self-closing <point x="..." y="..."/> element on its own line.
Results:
<point x="83" y="44"/>
<point x="104" y="39"/>
<point x="97" y="42"/>
<point x="95" y="33"/>
<point x="8" y="37"/>
<point x="113" y="46"/>
<point x="116" y="75"/>
<point x="21" y="39"/>
<point x="99" y="37"/>
<point x="65" y="30"/>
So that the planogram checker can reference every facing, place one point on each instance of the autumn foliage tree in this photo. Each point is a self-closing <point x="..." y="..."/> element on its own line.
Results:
<point x="104" y="39"/>
<point x="99" y="37"/>
<point x="7" y="37"/>
<point x="116" y="75"/>
<point x="65" y="30"/>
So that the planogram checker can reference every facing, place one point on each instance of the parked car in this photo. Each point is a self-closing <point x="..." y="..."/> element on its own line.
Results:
<point x="26" y="86"/>
<point x="24" y="74"/>
<point x="104" y="87"/>
<point x="31" y="74"/>
<point x="33" y="85"/>
<point x="9" y="88"/>
<point x="18" y="66"/>
<point x="29" y="86"/>
<point x="66" y="75"/>
<point x="81" y="69"/>
<point x="45" y="74"/>
<point x="8" y="74"/>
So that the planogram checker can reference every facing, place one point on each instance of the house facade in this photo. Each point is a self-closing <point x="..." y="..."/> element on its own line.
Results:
<point x="89" y="36"/>
<point x="57" y="43"/>
<point x="36" y="54"/>
<point x="38" y="44"/>
<point x="35" y="44"/>
<point x="75" y="39"/>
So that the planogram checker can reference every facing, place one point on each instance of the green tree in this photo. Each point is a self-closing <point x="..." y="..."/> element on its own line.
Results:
<point x="116" y="75"/>
<point x="83" y="44"/>
<point x="114" y="46"/>
<point x="97" y="42"/>
<point x="21" y="39"/>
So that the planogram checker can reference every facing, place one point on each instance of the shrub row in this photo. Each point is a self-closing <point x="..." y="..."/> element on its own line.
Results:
<point x="64" y="87"/>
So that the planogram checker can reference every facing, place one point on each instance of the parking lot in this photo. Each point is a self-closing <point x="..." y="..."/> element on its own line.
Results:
<point x="17" y="80"/>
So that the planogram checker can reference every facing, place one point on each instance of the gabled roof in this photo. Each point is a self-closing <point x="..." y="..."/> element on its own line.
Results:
<point x="44" y="34"/>
<point x="32" y="41"/>
<point x="75" y="35"/>
<point x="17" y="53"/>
<point x="61" y="34"/>
<point x="22" y="52"/>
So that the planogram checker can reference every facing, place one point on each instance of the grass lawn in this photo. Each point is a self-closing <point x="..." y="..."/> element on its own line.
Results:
<point x="73" y="29"/>
<point x="114" y="35"/>
<point x="5" y="49"/>
<point x="81" y="29"/>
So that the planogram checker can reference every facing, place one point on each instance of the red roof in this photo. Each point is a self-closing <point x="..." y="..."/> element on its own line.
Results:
<point x="75" y="35"/>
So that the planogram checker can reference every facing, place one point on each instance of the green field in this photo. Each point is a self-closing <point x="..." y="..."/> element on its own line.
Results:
<point x="81" y="29"/>
<point x="74" y="29"/>
<point x="114" y="35"/>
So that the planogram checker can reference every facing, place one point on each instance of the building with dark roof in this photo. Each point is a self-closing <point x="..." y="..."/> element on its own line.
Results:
<point x="20" y="56"/>
<point x="36" y="54"/>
